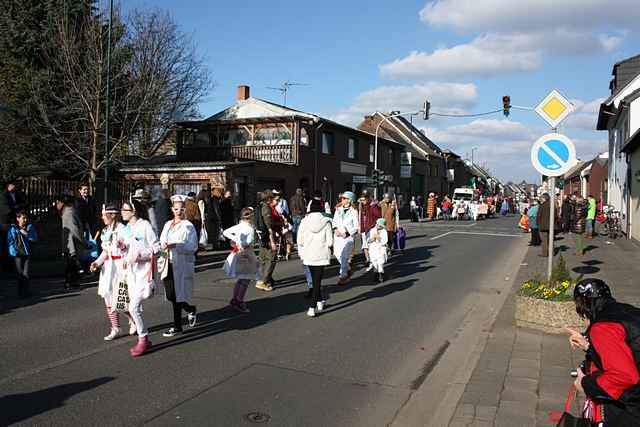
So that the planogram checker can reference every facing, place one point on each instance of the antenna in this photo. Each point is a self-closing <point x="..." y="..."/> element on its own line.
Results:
<point x="285" y="88"/>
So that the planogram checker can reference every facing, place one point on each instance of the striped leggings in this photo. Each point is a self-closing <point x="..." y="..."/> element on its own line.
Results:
<point x="113" y="316"/>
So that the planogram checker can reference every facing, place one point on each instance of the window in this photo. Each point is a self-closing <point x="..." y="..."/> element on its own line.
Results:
<point x="201" y="138"/>
<point x="304" y="136"/>
<point x="352" y="148"/>
<point x="372" y="153"/>
<point x="328" y="143"/>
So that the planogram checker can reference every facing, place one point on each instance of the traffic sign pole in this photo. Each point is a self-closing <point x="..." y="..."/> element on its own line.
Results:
<point x="552" y="223"/>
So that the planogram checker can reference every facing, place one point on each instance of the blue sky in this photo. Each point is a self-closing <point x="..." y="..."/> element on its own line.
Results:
<point x="463" y="55"/>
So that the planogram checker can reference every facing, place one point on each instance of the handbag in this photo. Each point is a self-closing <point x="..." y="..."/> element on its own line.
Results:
<point x="204" y="237"/>
<point x="569" y="420"/>
<point x="121" y="298"/>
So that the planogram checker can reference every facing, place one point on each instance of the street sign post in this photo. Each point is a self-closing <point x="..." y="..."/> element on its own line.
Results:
<point x="552" y="155"/>
<point x="362" y="179"/>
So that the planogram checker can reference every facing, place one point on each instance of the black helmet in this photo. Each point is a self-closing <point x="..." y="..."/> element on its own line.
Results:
<point x="591" y="288"/>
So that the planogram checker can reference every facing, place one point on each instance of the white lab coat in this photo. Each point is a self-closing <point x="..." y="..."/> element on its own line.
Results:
<point x="182" y="256"/>
<point x="344" y="220"/>
<point x="142" y="249"/>
<point x="378" y="249"/>
<point x="112" y="269"/>
<point x="243" y="236"/>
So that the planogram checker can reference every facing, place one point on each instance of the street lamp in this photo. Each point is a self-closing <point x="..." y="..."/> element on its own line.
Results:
<point x="107" y="107"/>
<point x="375" y="148"/>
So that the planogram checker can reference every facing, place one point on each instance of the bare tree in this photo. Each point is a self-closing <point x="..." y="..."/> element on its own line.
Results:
<point x="155" y="75"/>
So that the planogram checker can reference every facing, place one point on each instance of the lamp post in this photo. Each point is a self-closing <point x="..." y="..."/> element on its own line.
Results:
<point x="375" y="148"/>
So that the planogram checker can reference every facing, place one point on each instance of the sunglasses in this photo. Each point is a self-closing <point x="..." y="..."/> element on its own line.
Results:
<point x="126" y="210"/>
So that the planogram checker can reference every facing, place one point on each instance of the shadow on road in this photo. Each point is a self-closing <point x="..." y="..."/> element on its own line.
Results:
<point x="270" y="308"/>
<point x="19" y="407"/>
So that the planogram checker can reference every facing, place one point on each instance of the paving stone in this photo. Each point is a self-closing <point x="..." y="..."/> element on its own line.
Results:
<point x="518" y="395"/>
<point x="528" y="355"/>
<point x="555" y="371"/>
<point x="524" y="409"/>
<point x="486" y="413"/>
<point x="479" y="397"/>
<point x="481" y="423"/>
<point x="524" y="372"/>
<point x="465" y="410"/>
<point x="524" y="363"/>
<point x="519" y="383"/>
<point x="459" y="422"/>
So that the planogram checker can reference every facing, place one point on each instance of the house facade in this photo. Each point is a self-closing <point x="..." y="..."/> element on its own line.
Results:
<point x="255" y="145"/>
<point x="615" y="117"/>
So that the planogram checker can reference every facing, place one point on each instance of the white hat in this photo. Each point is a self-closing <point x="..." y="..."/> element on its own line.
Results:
<point x="141" y="194"/>
<point x="178" y="198"/>
<point x="275" y="192"/>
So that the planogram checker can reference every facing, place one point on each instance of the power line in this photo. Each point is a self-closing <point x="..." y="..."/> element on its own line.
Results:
<point x="467" y="115"/>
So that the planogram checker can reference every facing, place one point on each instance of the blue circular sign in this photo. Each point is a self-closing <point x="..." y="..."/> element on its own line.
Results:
<point x="553" y="154"/>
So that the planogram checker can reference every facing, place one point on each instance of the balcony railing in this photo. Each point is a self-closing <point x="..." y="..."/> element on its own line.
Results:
<point x="282" y="153"/>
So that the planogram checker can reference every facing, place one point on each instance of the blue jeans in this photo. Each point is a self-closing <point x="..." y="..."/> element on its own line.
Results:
<point x="296" y="225"/>
<point x="589" y="228"/>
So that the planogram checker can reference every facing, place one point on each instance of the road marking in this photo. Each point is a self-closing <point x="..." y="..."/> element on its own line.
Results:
<point x="476" y="234"/>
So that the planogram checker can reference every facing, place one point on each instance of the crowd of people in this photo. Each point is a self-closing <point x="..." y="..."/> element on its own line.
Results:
<point x="574" y="215"/>
<point x="446" y="208"/>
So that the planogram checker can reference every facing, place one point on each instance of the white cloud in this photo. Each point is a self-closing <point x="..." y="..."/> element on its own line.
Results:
<point x="525" y="15"/>
<point x="457" y="96"/>
<point x="495" y="53"/>
<point x="585" y="115"/>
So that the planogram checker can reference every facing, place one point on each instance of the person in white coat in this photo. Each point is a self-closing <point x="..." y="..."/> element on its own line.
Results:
<point x="345" y="225"/>
<point x="110" y="262"/>
<point x="378" y="240"/>
<point x="178" y="241"/>
<point x="315" y="238"/>
<point x="242" y="263"/>
<point x="140" y="247"/>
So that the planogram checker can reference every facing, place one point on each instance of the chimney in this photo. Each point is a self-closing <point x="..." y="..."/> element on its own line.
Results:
<point x="242" y="93"/>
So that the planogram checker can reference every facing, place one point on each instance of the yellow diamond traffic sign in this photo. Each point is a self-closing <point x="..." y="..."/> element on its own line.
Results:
<point x="554" y="108"/>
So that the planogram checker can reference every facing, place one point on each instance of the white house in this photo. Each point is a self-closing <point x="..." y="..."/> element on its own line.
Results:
<point x="615" y="116"/>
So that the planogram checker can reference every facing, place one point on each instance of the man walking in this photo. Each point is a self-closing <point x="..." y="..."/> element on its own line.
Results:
<point x="86" y="209"/>
<point x="297" y="207"/>
<point x="269" y="226"/>
<point x="543" y="223"/>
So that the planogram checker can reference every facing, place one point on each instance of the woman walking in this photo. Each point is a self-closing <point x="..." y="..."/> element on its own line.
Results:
<point x="139" y="246"/>
<point x="178" y="242"/>
<point x="579" y="224"/>
<point x="345" y="224"/>
<point x="111" y="265"/>
<point x="533" y="223"/>
<point x="315" y="238"/>
<point x="242" y="263"/>
<point x="378" y="248"/>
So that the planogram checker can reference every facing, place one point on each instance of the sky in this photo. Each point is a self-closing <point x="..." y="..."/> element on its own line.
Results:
<point x="356" y="57"/>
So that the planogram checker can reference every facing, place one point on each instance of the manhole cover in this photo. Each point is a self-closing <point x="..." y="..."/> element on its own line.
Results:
<point x="257" y="417"/>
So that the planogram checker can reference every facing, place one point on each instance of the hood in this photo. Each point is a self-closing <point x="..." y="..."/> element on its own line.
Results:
<point x="316" y="221"/>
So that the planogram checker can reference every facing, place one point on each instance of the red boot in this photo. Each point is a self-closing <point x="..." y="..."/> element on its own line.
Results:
<point x="141" y="347"/>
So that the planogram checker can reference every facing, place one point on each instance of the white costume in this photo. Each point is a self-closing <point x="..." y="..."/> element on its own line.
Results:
<point x="242" y="235"/>
<point x="378" y="248"/>
<point x="182" y="256"/>
<point x="111" y="260"/>
<point x="142" y="247"/>
<point x="345" y="221"/>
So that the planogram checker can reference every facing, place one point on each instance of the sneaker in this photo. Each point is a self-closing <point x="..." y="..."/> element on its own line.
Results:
<point x="113" y="334"/>
<point x="172" y="332"/>
<point x="192" y="318"/>
<point x="319" y="306"/>
<point x="141" y="347"/>
<point x="263" y="286"/>
<point x="311" y="312"/>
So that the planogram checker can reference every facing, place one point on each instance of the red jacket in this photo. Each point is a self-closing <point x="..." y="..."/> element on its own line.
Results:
<point x="368" y="215"/>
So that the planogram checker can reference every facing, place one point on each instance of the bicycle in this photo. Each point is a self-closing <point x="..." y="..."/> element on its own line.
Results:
<point x="612" y="227"/>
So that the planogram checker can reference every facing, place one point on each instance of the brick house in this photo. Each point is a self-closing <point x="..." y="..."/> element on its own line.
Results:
<point x="255" y="145"/>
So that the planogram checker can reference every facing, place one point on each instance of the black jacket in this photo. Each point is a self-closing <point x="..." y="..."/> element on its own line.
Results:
<point x="542" y="218"/>
<point x="579" y="219"/>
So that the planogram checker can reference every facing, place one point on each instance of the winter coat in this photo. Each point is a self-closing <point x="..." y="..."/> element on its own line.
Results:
<point x="227" y="212"/>
<point x="296" y="204"/>
<point x="73" y="242"/>
<point x="542" y="217"/>
<point x="580" y="217"/>
<point x="141" y="251"/>
<point x="192" y="211"/>
<point x="111" y="260"/>
<point x="315" y="238"/>
<point x="87" y="212"/>
<point x="12" y="240"/>
<point x="431" y="207"/>
<point x="368" y="216"/>
<point x="533" y="220"/>
<point x="592" y="208"/>
<point x="390" y="215"/>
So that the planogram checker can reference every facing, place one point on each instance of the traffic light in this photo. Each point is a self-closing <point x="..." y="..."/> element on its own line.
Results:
<point x="425" y="109"/>
<point x="377" y="177"/>
<point x="506" y="105"/>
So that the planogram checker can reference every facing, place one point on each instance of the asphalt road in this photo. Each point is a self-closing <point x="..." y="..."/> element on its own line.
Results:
<point x="356" y="364"/>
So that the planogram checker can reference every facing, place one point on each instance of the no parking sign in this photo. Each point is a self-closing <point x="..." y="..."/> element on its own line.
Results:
<point x="553" y="154"/>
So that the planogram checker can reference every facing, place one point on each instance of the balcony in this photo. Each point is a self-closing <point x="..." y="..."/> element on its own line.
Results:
<point x="280" y="153"/>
